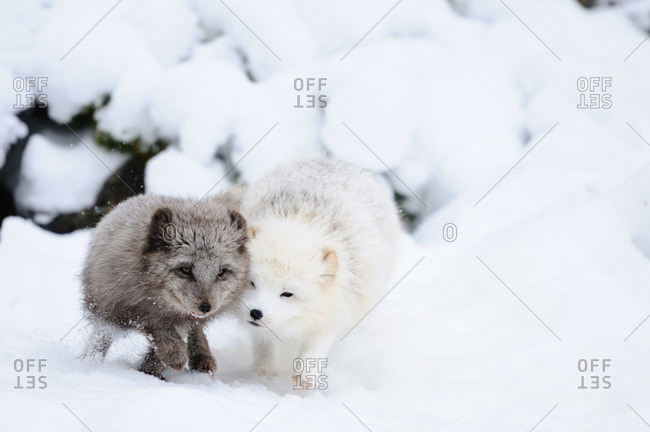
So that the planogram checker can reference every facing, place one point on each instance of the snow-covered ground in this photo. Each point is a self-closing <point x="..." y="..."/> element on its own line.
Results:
<point x="469" y="109"/>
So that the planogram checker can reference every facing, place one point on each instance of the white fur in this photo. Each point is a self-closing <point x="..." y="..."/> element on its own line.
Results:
<point x="325" y="232"/>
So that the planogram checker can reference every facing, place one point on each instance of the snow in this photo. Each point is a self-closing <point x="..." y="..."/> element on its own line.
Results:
<point x="174" y="173"/>
<point x="454" y="103"/>
<point x="49" y="184"/>
<point x="11" y="128"/>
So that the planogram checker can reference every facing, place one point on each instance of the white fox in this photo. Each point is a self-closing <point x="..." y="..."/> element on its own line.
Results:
<point x="322" y="243"/>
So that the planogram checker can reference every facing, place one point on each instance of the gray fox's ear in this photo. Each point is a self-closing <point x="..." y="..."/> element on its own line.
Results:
<point x="161" y="230"/>
<point x="252" y="231"/>
<point x="237" y="219"/>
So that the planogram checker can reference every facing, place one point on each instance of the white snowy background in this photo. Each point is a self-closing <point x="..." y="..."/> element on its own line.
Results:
<point x="485" y="334"/>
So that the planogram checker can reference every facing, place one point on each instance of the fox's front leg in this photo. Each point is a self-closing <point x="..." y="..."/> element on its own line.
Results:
<point x="265" y="355"/>
<point x="151" y="364"/>
<point x="200" y="357"/>
<point x="310" y="365"/>
<point x="99" y="342"/>
<point x="169" y="347"/>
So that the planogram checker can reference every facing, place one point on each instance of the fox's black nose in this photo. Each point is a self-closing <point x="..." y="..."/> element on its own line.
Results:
<point x="205" y="307"/>
<point x="256" y="314"/>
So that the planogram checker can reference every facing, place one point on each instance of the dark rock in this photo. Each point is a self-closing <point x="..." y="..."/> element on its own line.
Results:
<point x="34" y="118"/>
<point x="587" y="3"/>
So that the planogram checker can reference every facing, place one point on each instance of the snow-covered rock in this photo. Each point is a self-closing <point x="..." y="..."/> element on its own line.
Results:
<point x="63" y="176"/>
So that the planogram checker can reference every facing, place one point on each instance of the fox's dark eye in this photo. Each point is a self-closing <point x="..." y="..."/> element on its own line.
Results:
<point x="185" y="270"/>
<point x="286" y="294"/>
<point x="253" y="284"/>
<point x="223" y="272"/>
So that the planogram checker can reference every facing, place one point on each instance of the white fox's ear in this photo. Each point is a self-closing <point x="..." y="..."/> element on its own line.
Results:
<point x="331" y="260"/>
<point x="252" y="231"/>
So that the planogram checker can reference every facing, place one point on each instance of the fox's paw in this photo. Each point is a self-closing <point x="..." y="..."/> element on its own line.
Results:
<point x="303" y="381"/>
<point x="204" y="362"/>
<point x="173" y="355"/>
<point x="264" y="371"/>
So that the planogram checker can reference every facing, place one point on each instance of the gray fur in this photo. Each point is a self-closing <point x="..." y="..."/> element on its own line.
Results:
<point x="133" y="275"/>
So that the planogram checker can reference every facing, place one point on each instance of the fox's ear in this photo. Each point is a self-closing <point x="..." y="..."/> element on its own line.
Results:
<point x="331" y="261"/>
<point x="161" y="230"/>
<point x="252" y="231"/>
<point x="237" y="219"/>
